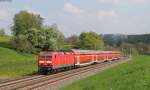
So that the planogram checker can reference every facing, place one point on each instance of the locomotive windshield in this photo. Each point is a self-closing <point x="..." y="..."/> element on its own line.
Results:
<point x="45" y="56"/>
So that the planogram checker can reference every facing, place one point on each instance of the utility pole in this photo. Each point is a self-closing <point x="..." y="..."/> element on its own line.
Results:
<point x="130" y="52"/>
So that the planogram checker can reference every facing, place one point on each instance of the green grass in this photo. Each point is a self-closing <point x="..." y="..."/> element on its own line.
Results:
<point x="5" y="41"/>
<point x="133" y="75"/>
<point x="13" y="64"/>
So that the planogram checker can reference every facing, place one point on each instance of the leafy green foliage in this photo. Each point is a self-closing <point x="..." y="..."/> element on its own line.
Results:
<point x="143" y="38"/>
<point x="54" y="39"/>
<point x="91" y="40"/>
<point x="22" y="44"/>
<point x="133" y="75"/>
<point x="138" y="42"/>
<point x="2" y="32"/>
<point x="30" y="36"/>
<point x="14" y="64"/>
<point x="114" y="40"/>
<point x="73" y="41"/>
<point x="23" y="21"/>
<point x="143" y="48"/>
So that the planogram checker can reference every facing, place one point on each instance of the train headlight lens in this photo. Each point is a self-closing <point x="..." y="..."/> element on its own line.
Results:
<point x="41" y="61"/>
<point x="49" y="62"/>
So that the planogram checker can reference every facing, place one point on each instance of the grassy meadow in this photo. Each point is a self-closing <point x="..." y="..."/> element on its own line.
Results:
<point x="133" y="75"/>
<point x="5" y="41"/>
<point x="14" y="64"/>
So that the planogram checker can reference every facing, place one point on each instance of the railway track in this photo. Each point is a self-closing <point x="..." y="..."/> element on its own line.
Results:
<point x="41" y="80"/>
<point x="5" y="85"/>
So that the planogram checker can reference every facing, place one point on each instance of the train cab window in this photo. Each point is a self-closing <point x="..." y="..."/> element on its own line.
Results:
<point x="60" y="52"/>
<point x="45" y="56"/>
<point x="42" y="56"/>
<point x="48" y="56"/>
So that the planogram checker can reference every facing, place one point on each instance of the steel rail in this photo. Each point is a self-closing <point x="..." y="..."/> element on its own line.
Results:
<point x="35" y="82"/>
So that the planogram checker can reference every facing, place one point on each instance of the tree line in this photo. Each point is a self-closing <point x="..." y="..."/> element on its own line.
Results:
<point x="138" y="44"/>
<point x="31" y="36"/>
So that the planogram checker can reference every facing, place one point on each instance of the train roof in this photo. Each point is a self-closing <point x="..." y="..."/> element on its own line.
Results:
<point x="89" y="51"/>
<point x="79" y="51"/>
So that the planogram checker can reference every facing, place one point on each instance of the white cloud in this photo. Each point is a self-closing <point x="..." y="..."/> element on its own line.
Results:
<point x="111" y="13"/>
<point x="68" y="7"/>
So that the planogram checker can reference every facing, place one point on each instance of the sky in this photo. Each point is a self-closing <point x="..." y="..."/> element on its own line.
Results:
<point x="76" y="16"/>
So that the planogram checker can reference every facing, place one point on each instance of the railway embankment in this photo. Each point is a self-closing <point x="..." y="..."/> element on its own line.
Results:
<point x="56" y="81"/>
<point x="14" y="64"/>
<point x="133" y="75"/>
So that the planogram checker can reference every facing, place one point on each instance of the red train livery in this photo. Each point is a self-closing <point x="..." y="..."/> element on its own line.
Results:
<point x="49" y="61"/>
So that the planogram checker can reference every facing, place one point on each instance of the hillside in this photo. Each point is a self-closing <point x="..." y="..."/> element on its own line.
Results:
<point x="133" y="75"/>
<point x="5" y="41"/>
<point x="117" y="39"/>
<point x="13" y="64"/>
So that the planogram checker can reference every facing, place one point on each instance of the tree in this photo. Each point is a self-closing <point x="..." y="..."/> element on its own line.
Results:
<point x="59" y="36"/>
<point x="73" y="41"/>
<point x="91" y="40"/>
<point x="28" y="28"/>
<point x="24" y="20"/>
<point x="54" y="38"/>
<point x="108" y="48"/>
<point x="114" y="40"/>
<point x="129" y="49"/>
<point x="143" y="48"/>
<point x="22" y="44"/>
<point x="2" y="32"/>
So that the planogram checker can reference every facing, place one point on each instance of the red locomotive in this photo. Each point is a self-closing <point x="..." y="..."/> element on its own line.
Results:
<point x="49" y="61"/>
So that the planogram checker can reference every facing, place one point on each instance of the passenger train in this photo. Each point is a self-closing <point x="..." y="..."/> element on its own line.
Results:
<point x="52" y="61"/>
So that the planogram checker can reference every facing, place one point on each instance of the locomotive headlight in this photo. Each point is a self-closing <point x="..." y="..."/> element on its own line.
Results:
<point x="49" y="61"/>
<point x="41" y="61"/>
